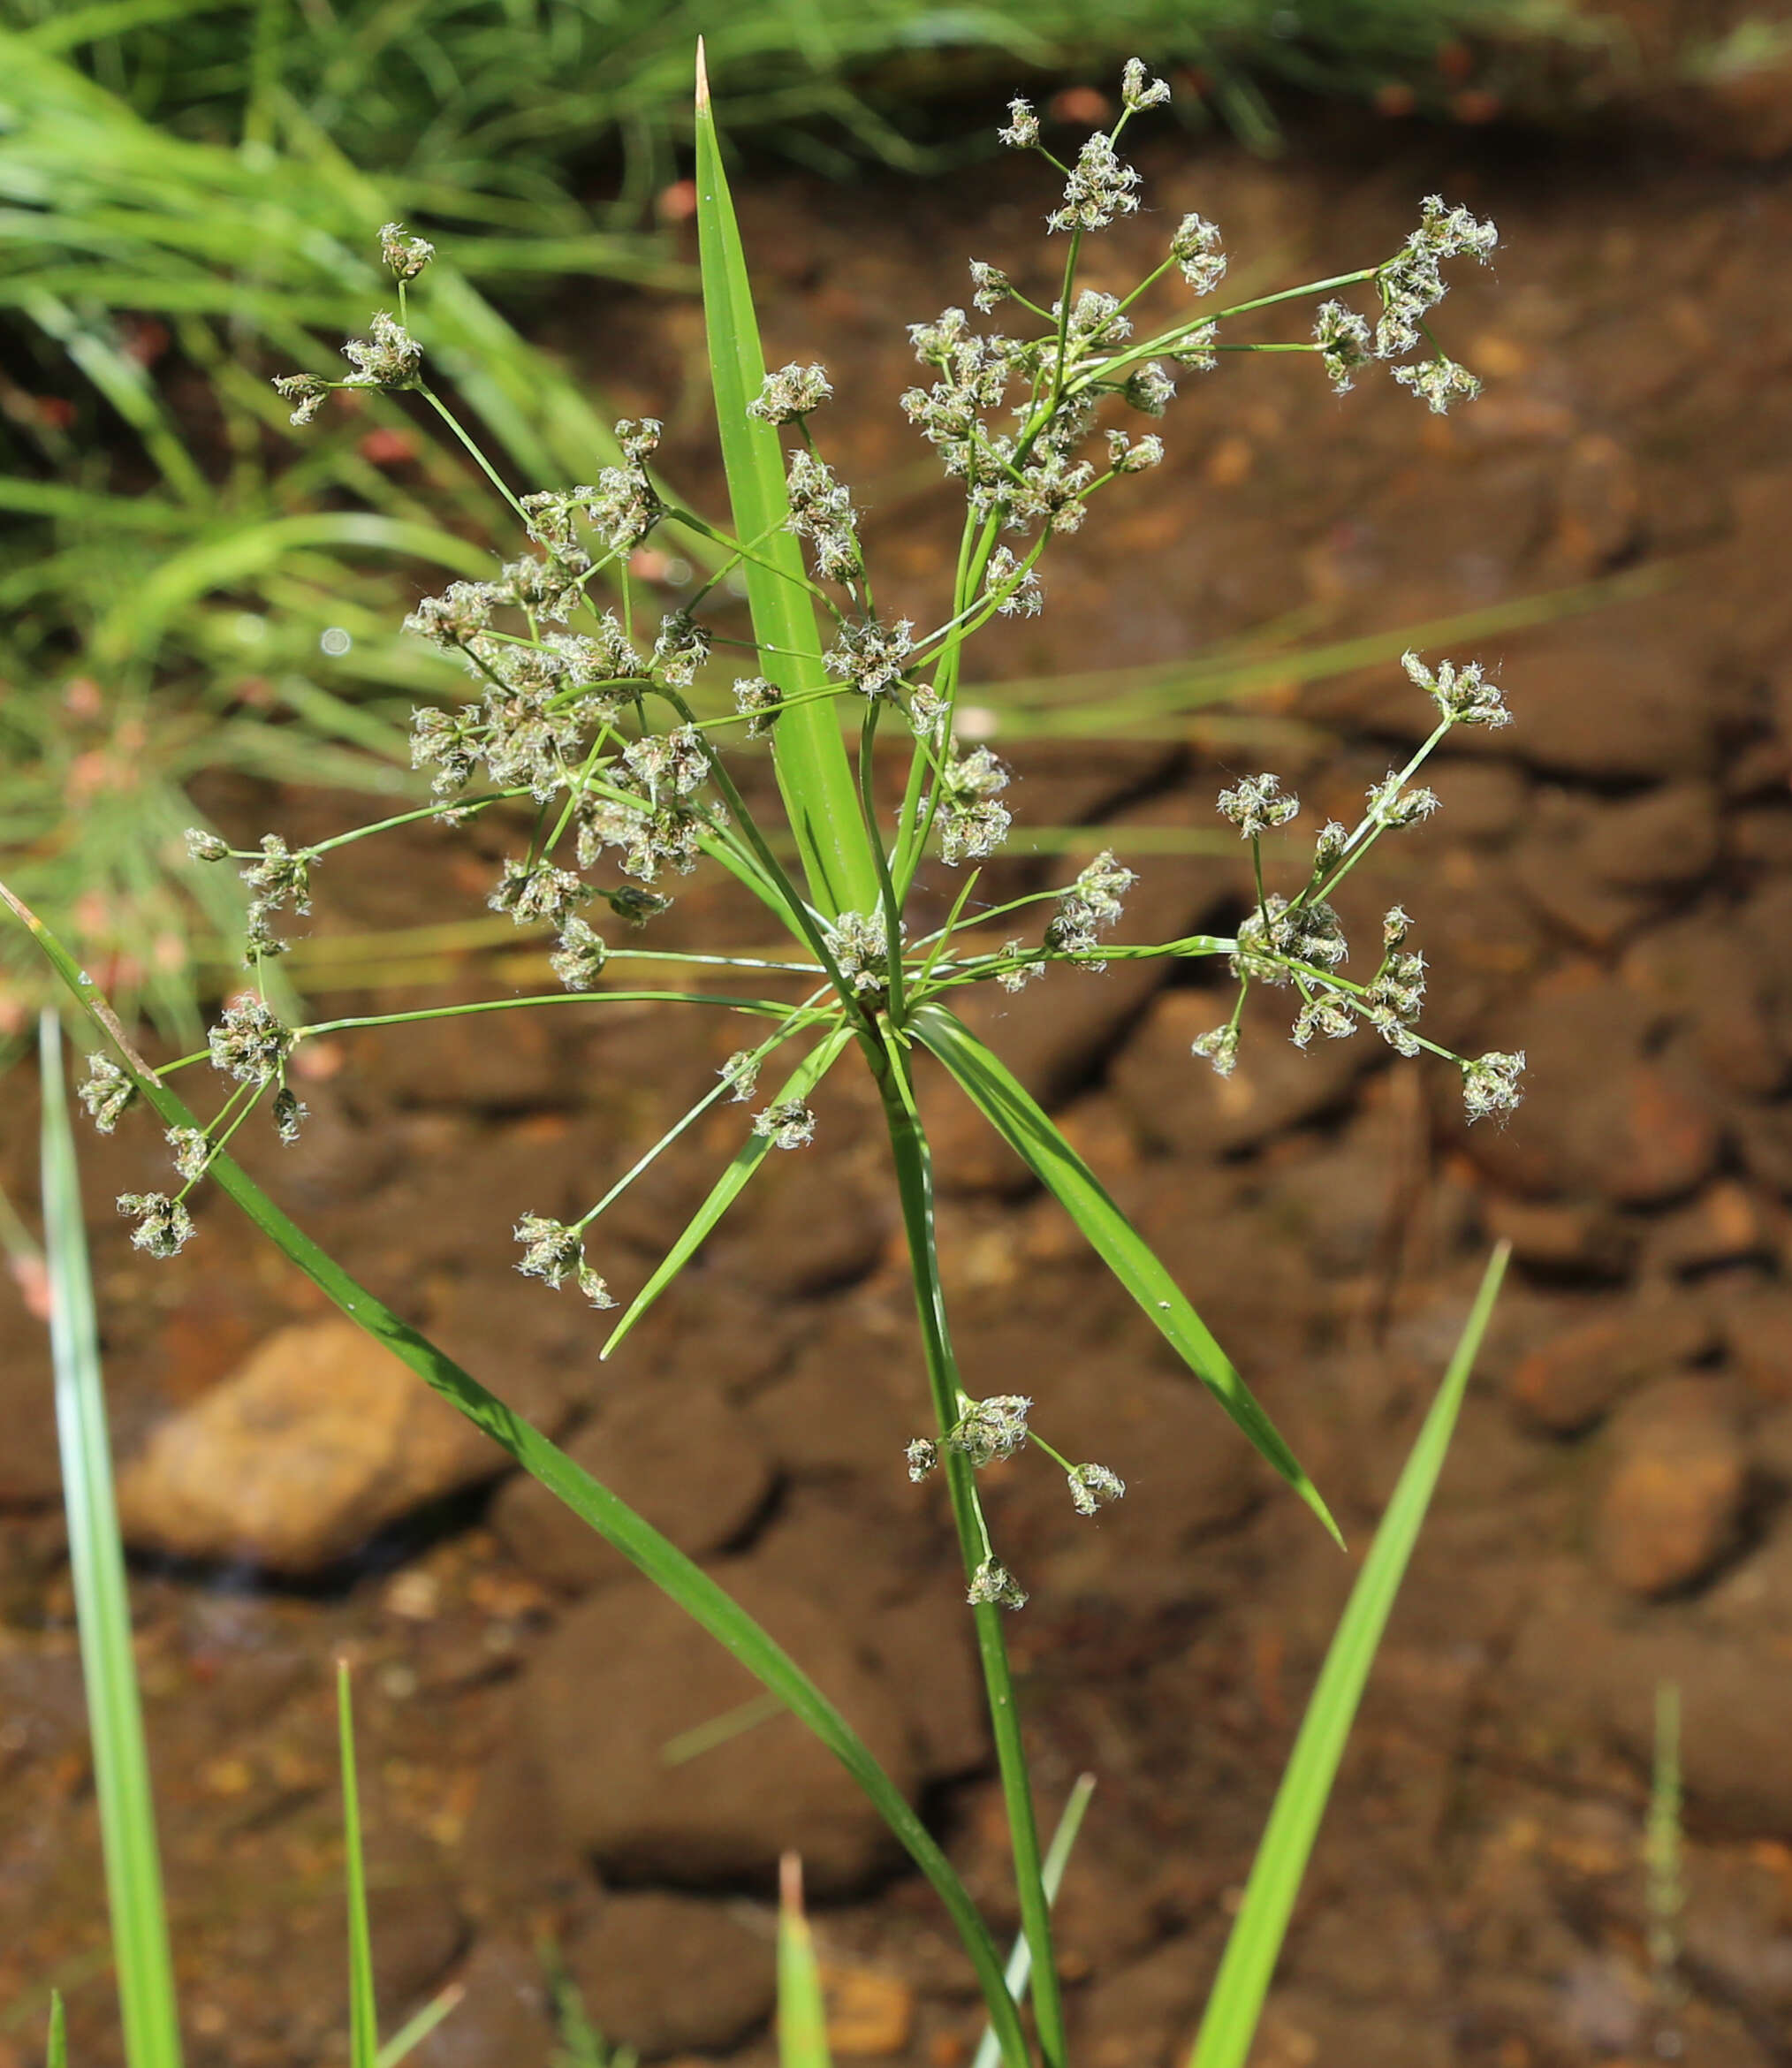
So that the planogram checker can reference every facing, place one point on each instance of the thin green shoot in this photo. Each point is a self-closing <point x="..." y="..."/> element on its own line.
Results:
<point x="97" y="1559"/>
<point x="1230" y="2021"/>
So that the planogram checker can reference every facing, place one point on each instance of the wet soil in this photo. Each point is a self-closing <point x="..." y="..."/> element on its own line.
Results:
<point x="1608" y="885"/>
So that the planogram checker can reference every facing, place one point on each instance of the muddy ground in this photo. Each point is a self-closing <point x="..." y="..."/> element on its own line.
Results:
<point x="1608" y="885"/>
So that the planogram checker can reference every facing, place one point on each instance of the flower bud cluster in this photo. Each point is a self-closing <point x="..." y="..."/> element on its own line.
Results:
<point x="1017" y="587"/>
<point x="406" y="256"/>
<point x="538" y="894"/>
<point x="788" y="1123"/>
<point x="821" y="511"/>
<point x="1088" y="907"/>
<point x="859" y="945"/>
<point x="791" y="393"/>
<point x="972" y="824"/>
<point x="758" y="700"/>
<point x="871" y="656"/>
<point x="163" y="1225"/>
<point x="554" y="1252"/>
<point x="1199" y="254"/>
<point x="1463" y="695"/>
<point x="108" y="1094"/>
<point x="280" y="879"/>
<point x="579" y="960"/>
<point x="249" y="1042"/>
<point x="1258" y="805"/>
<point x="1101" y="186"/>
<point x="390" y="359"/>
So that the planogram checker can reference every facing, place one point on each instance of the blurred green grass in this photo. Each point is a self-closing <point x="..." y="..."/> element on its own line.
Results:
<point x="188" y="196"/>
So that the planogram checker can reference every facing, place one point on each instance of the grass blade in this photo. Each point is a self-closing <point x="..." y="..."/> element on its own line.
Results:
<point x="1020" y="1969"/>
<point x="802" y="2018"/>
<point x="729" y="1187"/>
<point x="102" y="1607"/>
<point x="1232" y="2010"/>
<point x="363" y="2014"/>
<point x="645" y="1548"/>
<point x="416" y="2029"/>
<point x="813" y="772"/>
<point x="1023" y="1124"/>
<point x="55" y="2051"/>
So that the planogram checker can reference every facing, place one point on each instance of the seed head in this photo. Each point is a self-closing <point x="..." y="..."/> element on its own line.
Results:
<point x="1091" y="1484"/>
<point x="922" y="1456"/>
<point x="305" y="392"/>
<point x="788" y="1124"/>
<point x="1490" y="1084"/>
<point x="992" y="1429"/>
<point x="1196" y="248"/>
<point x="163" y="1225"/>
<point x="249" y="1042"/>
<point x="791" y="392"/>
<point x="992" y="1582"/>
<point x="577" y="961"/>
<point x="108" y="1093"/>
<point x="1022" y="132"/>
<point x="1462" y="695"/>
<point x="1219" y="1046"/>
<point x="405" y="255"/>
<point x="390" y="359"/>
<point x="1258" y="805"/>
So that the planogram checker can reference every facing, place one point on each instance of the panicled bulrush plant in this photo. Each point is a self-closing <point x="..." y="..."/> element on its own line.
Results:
<point x="610" y="729"/>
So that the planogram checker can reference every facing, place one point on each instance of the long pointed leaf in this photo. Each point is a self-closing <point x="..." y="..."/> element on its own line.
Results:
<point x="813" y="772"/>
<point x="103" y="1606"/>
<point x="1024" y="1124"/>
<point x="618" y="1524"/>
<point x="1232" y="2010"/>
<point x="728" y="1188"/>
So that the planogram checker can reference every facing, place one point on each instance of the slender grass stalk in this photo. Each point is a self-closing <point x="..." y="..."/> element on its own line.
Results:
<point x="55" y="2048"/>
<point x="915" y="1181"/>
<point x="363" y="2012"/>
<point x="96" y="1559"/>
<point x="417" y="2027"/>
<point x="1229" y="2023"/>
<point x="1020" y="1969"/>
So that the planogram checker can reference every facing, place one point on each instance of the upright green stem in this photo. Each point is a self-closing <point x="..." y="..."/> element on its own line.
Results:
<point x="914" y="1181"/>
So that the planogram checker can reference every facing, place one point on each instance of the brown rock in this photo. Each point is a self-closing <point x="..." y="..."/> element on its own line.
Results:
<point x="1580" y="1236"/>
<point x="321" y="1439"/>
<point x="882" y="1556"/>
<point x="1757" y="1330"/>
<point x="1599" y="1118"/>
<point x="1672" y="1503"/>
<point x="1700" y="969"/>
<point x="1573" y="1676"/>
<point x="668" y="1974"/>
<point x="1661" y="839"/>
<point x="870" y="2014"/>
<point x="1621" y="698"/>
<point x="627" y="1672"/>
<point x="1175" y="1100"/>
<point x="1763" y="1134"/>
<point x="1729" y="1223"/>
<point x="502" y="2014"/>
<point x="1575" y="1377"/>
<point x="676" y="1451"/>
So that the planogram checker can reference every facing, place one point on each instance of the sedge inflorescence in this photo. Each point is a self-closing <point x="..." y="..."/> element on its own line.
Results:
<point x="602" y="736"/>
